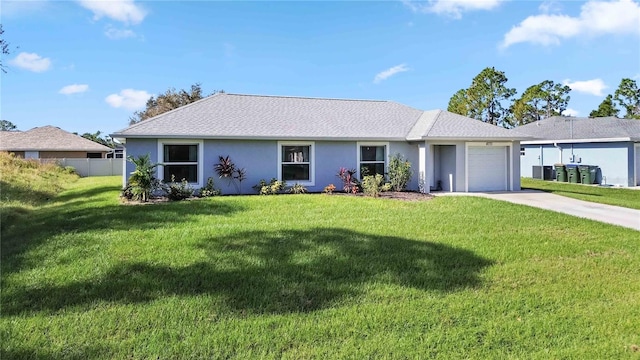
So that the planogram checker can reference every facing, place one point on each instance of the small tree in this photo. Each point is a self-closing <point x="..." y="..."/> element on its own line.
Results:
<point x="143" y="180"/>
<point x="399" y="172"/>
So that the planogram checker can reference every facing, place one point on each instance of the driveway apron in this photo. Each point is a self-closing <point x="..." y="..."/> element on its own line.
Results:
<point x="616" y="215"/>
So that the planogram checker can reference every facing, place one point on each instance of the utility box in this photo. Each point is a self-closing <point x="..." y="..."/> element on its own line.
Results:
<point x="542" y="172"/>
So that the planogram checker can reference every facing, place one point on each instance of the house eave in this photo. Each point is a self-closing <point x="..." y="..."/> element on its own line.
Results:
<point x="577" y="141"/>
<point x="122" y="137"/>
<point x="472" y="138"/>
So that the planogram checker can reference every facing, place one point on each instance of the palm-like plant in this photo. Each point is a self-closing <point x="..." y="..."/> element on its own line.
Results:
<point x="142" y="180"/>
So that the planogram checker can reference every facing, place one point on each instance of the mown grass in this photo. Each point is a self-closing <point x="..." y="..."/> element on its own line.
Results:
<point x="604" y="195"/>
<point x="314" y="276"/>
<point x="25" y="184"/>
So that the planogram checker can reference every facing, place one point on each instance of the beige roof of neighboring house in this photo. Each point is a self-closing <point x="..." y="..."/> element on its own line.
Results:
<point x="47" y="138"/>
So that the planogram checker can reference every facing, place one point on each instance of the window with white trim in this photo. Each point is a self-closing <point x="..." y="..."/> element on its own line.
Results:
<point x="522" y="151"/>
<point x="372" y="159"/>
<point x="181" y="161"/>
<point x="295" y="162"/>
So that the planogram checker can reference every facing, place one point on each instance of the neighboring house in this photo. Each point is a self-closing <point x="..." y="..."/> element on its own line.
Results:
<point x="50" y="142"/>
<point x="307" y="140"/>
<point x="612" y="144"/>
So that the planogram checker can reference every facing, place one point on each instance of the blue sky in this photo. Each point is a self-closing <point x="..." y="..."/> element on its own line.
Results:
<point x="88" y="65"/>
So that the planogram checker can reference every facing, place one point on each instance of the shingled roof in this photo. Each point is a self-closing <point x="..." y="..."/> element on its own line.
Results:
<point x="47" y="138"/>
<point x="237" y="116"/>
<point x="584" y="129"/>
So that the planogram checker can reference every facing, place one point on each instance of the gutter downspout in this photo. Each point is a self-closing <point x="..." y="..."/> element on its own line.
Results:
<point x="559" y="152"/>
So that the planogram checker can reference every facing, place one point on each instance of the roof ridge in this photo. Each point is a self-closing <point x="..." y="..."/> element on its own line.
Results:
<point x="312" y="98"/>
<point x="433" y="122"/>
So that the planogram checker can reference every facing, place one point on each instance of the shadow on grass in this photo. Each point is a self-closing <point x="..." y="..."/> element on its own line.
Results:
<point x="27" y="195"/>
<point x="272" y="272"/>
<point x="87" y="194"/>
<point x="72" y="216"/>
<point x="71" y="353"/>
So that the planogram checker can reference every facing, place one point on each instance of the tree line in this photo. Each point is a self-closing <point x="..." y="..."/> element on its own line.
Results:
<point x="490" y="100"/>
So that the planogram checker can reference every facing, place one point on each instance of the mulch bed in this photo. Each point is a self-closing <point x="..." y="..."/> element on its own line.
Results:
<point x="397" y="195"/>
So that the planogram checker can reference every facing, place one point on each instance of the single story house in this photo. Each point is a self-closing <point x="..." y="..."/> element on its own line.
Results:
<point x="50" y="142"/>
<point x="307" y="140"/>
<point x="610" y="143"/>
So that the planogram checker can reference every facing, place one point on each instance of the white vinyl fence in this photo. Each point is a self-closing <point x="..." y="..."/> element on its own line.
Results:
<point x="91" y="167"/>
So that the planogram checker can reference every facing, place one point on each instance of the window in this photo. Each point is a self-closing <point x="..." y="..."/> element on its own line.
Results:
<point x="296" y="162"/>
<point x="521" y="151"/>
<point x="94" y="155"/>
<point x="372" y="159"/>
<point x="181" y="161"/>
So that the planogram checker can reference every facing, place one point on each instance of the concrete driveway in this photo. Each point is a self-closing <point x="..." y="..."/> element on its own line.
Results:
<point x="616" y="215"/>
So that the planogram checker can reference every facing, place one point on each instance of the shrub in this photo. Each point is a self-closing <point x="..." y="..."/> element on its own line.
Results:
<point x="329" y="189"/>
<point x="297" y="189"/>
<point x="374" y="185"/>
<point x="399" y="172"/>
<point x="126" y="192"/>
<point x="179" y="190"/>
<point x="272" y="187"/>
<point x="142" y="180"/>
<point x="226" y="169"/>
<point x="209" y="189"/>
<point x="349" y="182"/>
<point x="70" y="170"/>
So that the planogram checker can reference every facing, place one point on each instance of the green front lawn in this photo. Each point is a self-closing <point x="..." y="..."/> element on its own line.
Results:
<point x="314" y="276"/>
<point x="604" y="195"/>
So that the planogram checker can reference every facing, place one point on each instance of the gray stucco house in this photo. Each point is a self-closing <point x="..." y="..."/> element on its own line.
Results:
<point x="612" y="144"/>
<point x="307" y="140"/>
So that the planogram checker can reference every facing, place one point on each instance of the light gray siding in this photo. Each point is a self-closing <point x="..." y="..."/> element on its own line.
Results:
<point x="615" y="159"/>
<point x="137" y="147"/>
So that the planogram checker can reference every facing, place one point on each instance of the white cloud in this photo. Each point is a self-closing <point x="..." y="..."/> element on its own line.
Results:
<point x="383" y="75"/>
<point x="74" y="89"/>
<point x="125" y="11"/>
<point x="570" y="112"/>
<point x="32" y="62"/>
<point x="129" y="99"/>
<point x="114" y="34"/>
<point x="596" y="18"/>
<point x="593" y="87"/>
<point x="452" y="8"/>
<point x="550" y="6"/>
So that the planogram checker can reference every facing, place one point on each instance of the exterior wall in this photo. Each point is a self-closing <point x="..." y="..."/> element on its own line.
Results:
<point x="444" y="165"/>
<point x="63" y="154"/>
<point x="260" y="159"/>
<point x="434" y="168"/>
<point x="137" y="147"/>
<point x="411" y="152"/>
<point x="514" y="175"/>
<point x="637" y="157"/>
<point x="18" y="154"/>
<point x="614" y="159"/>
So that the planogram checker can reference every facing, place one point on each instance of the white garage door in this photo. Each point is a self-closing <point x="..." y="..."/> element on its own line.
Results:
<point x="487" y="166"/>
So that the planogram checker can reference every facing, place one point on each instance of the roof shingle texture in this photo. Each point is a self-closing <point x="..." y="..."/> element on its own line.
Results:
<point x="279" y="117"/>
<point x="47" y="138"/>
<point x="566" y="128"/>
